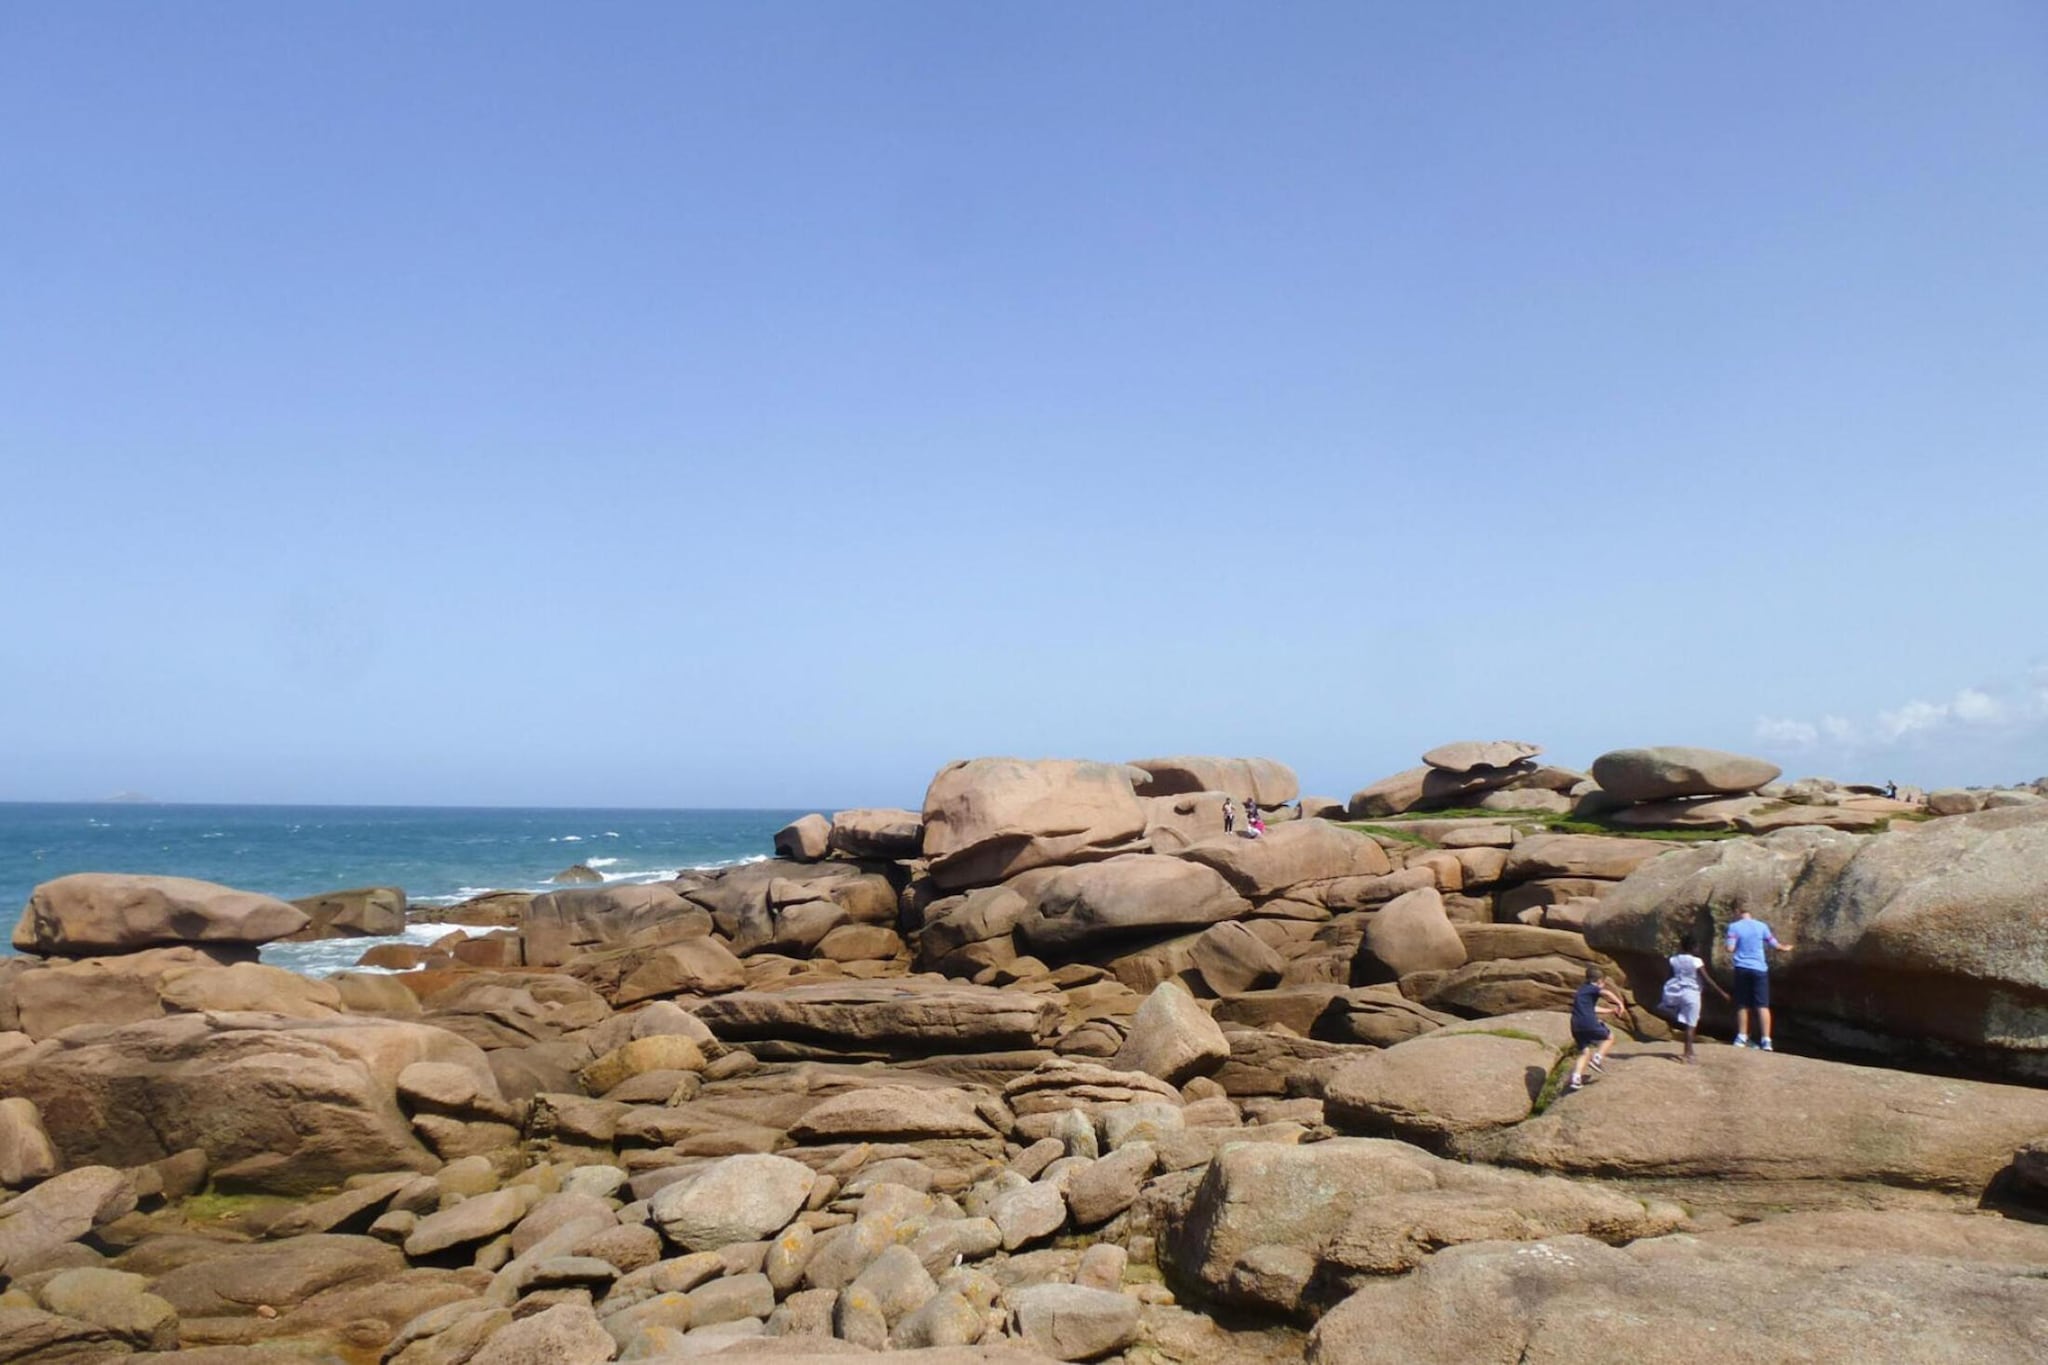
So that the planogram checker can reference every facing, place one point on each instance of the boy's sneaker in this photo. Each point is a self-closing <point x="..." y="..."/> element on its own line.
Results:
<point x="1766" y="1045"/>
<point x="1742" y="1040"/>
<point x="1575" y="1083"/>
<point x="1594" y="1062"/>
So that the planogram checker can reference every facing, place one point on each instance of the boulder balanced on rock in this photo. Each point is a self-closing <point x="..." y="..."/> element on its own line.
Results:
<point x="91" y="913"/>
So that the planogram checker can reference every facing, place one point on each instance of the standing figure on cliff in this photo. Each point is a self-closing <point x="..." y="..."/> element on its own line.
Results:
<point x="1256" y="820"/>
<point x="1682" y="994"/>
<point x="1229" y="816"/>
<point x="1589" y="1035"/>
<point x="1747" y="939"/>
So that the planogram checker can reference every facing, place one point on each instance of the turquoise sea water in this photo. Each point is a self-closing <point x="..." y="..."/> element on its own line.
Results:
<point x="439" y="855"/>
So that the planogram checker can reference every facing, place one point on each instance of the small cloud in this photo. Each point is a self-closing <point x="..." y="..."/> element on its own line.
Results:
<point x="1796" y="734"/>
<point x="1977" y="708"/>
<point x="1910" y="719"/>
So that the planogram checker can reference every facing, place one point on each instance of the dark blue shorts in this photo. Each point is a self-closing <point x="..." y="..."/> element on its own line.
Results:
<point x="1752" y="989"/>
<point x="1592" y="1037"/>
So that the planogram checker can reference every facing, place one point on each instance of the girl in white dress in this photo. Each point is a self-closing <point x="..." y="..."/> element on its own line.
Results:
<point x="1682" y="995"/>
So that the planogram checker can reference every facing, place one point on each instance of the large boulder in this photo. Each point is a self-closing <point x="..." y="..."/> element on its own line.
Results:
<point x="1263" y="780"/>
<point x="1664" y="772"/>
<point x="44" y="997"/>
<point x="1925" y="944"/>
<point x="805" y="839"/>
<point x="743" y="1198"/>
<point x="877" y="832"/>
<point x="1468" y="754"/>
<point x="1600" y="856"/>
<point x="1289" y="855"/>
<point x="365" y="912"/>
<point x="1835" y="1289"/>
<point x="248" y="986"/>
<point x="1739" y="1116"/>
<point x="1350" y="1209"/>
<point x="91" y="913"/>
<point x="1172" y="1037"/>
<point x="1136" y="895"/>
<point x="987" y="819"/>
<point x="562" y="924"/>
<point x="907" y="1017"/>
<point x="279" y="1104"/>
<point x="1441" y="1086"/>
<point x="1411" y="933"/>
<point x="59" y="1210"/>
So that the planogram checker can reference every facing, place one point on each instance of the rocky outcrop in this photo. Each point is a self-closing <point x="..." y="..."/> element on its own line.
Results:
<point x="893" y="1018"/>
<point x="1743" y="1117"/>
<point x="93" y="913"/>
<point x="987" y="819"/>
<point x="1772" y="1292"/>
<point x="366" y="912"/>
<point x="1260" y="780"/>
<point x="1136" y="895"/>
<point x="277" y="1103"/>
<point x="1925" y="943"/>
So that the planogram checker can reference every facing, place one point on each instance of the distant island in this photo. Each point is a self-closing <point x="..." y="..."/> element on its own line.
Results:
<point x="129" y="799"/>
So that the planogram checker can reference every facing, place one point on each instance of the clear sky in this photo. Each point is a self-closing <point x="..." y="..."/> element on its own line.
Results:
<point x="746" y="404"/>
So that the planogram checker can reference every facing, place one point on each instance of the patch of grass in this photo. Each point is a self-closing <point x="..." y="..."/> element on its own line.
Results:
<point x="1563" y="825"/>
<point x="215" y="1207"/>
<point x="1553" y="1085"/>
<point x="1402" y="836"/>
<point x="1520" y="1035"/>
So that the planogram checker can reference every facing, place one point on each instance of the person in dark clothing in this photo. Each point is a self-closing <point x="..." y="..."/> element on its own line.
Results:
<point x="1591" y="1003"/>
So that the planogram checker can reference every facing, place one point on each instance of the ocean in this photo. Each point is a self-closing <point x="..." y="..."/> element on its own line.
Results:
<point x="439" y="855"/>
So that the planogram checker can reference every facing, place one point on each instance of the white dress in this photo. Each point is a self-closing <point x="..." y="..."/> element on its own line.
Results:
<point x="1682" y="991"/>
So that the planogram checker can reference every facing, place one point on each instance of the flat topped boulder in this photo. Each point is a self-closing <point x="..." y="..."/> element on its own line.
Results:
<point x="1468" y="754"/>
<point x="1264" y="780"/>
<point x="1664" y="772"/>
<point x="916" y="1015"/>
<point x="987" y="819"/>
<point x="877" y="832"/>
<point x="92" y="913"/>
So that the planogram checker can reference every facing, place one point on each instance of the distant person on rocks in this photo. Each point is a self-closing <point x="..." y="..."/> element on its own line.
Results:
<point x="1891" y="791"/>
<point x="1229" y="816"/>
<point x="1747" y="939"/>
<point x="1682" y="995"/>
<point x="1258" y="821"/>
<point x="1590" y="1036"/>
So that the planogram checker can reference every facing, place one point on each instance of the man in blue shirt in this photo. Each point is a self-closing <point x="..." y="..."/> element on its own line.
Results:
<point x="1747" y="939"/>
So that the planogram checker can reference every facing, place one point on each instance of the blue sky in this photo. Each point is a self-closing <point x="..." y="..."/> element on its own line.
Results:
<point x="698" y="405"/>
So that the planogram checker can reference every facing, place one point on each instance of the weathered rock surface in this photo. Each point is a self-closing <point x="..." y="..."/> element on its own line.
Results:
<point x="1263" y="780"/>
<point x="1743" y="1116"/>
<point x="877" y="832"/>
<point x="987" y="819"/>
<point x="1134" y="895"/>
<point x="1661" y="773"/>
<point x="90" y="913"/>
<point x="1432" y="1089"/>
<point x="912" y="1016"/>
<point x="742" y="1198"/>
<point x="1928" y="942"/>
<point x="1467" y="754"/>
<point x="1289" y="855"/>
<point x="363" y="912"/>
<point x="279" y="1104"/>
<point x="1171" y="1037"/>
<point x="1748" y="1296"/>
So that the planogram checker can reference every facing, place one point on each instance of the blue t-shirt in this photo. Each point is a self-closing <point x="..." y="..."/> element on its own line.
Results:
<point x="1746" y="939"/>
<point x="1586" y="1008"/>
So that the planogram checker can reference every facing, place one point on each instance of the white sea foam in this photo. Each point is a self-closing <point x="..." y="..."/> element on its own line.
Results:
<point x="567" y="839"/>
<point x="599" y="862"/>
<point x="611" y="834"/>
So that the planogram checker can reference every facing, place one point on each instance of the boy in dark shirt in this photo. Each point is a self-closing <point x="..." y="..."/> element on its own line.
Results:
<point x="1589" y="1034"/>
